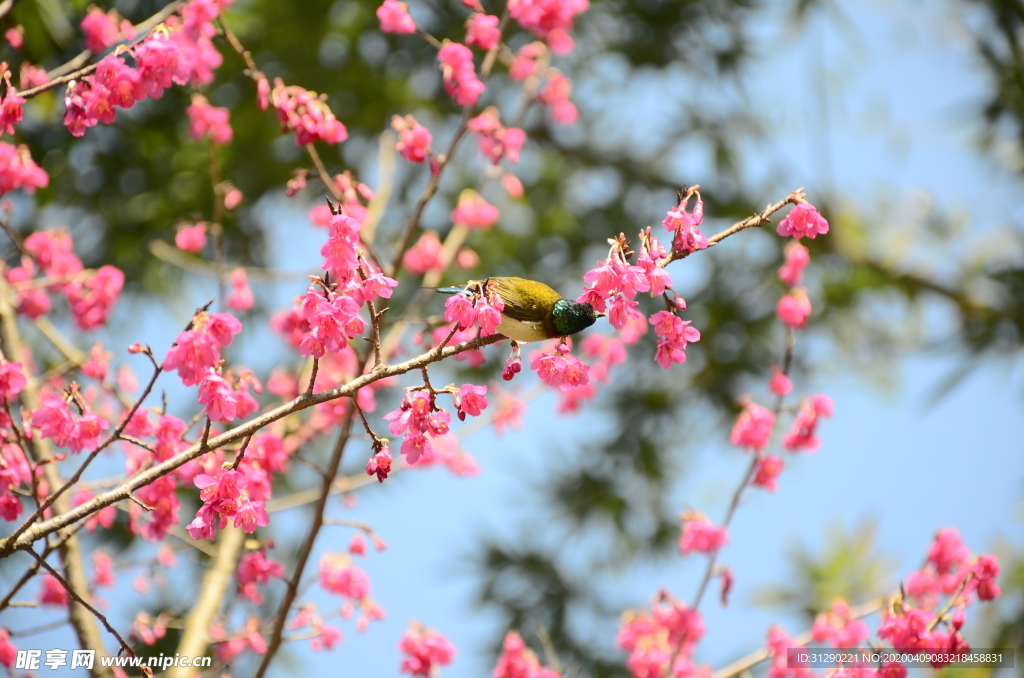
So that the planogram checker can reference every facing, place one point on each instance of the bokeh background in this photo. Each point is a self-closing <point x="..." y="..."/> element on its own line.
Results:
<point x="903" y="121"/>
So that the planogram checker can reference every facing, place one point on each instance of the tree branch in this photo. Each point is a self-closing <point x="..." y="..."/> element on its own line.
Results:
<point x="196" y="450"/>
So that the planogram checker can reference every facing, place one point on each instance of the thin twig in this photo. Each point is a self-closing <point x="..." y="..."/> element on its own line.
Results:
<point x="81" y="601"/>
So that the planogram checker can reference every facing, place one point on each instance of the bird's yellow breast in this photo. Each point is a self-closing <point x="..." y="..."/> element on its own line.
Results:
<point x="522" y="330"/>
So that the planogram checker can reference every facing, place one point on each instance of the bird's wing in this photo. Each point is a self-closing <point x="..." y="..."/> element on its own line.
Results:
<point x="526" y="300"/>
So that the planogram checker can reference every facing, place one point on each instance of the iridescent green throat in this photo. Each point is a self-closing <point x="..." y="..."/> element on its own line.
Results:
<point x="570" y="317"/>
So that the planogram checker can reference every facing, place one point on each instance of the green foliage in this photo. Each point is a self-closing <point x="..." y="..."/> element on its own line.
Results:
<point x="849" y="566"/>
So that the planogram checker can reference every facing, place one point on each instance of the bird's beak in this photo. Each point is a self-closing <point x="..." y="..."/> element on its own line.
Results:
<point x="602" y="315"/>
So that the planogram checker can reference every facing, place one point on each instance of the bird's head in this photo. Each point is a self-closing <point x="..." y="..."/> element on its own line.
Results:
<point x="573" y="316"/>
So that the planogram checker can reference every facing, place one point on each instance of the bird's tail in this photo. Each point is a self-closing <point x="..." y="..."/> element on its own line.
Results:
<point x="446" y="290"/>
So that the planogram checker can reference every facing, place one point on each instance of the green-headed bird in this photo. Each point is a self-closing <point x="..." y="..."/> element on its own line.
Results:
<point x="533" y="311"/>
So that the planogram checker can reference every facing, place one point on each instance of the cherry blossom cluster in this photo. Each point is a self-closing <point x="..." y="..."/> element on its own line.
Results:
<point x="307" y="114"/>
<point x="394" y="18"/>
<point x="687" y="238"/>
<point x="425" y="651"/>
<point x="660" y="642"/>
<point x="913" y="620"/>
<point x="341" y="576"/>
<point x="419" y="420"/>
<point x="209" y="121"/>
<point x="605" y="353"/>
<point x="459" y="74"/>
<point x="178" y="52"/>
<point x="494" y="139"/>
<point x="90" y="296"/>
<point x="55" y="420"/>
<point x="255" y="569"/>
<point x="17" y="169"/>
<point x="518" y="661"/>
<point x="615" y="284"/>
<point x="414" y="139"/>
<point x="225" y="497"/>
<point x="474" y="212"/>
<point x="480" y="304"/>
<point x="550" y="20"/>
<point x="700" y="534"/>
<point x="428" y="254"/>
<point x="560" y="369"/>
<point x="102" y="29"/>
<point x="555" y="95"/>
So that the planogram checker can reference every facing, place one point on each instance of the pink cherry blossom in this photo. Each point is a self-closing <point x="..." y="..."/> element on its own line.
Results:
<point x="555" y="95"/>
<point x="8" y="650"/>
<point x="483" y="31"/>
<point x="495" y="140"/>
<point x="803" y="221"/>
<point x="11" y="108"/>
<point x="471" y="400"/>
<point x="12" y="380"/>
<point x="948" y="552"/>
<point x="240" y="297"/>
<point x="251" y="514"/>
<point x="15" y="36"/>
<point x="425" y="651"/>
<point x="474" y="212"/>
<point x="524" y="64"/>
<point x="53" y="592"/>
<point x="191" y="238"/>
<point x="802" y="435"/>
<point x="255" y="568"/>
<point x="339" y="575"/>
<point x="459" y="74"/>
<point x="548" y="19"/>
<point x="100" y="30"/>
<point x="674" y="334"/>
<point x="357" y="545"/>
<point x="461" y="309"/>
<point x="91" y="300"/>
<point x="425" y="255"/>
<point x="375" y="283"/>
<point x="86" y="433"/>
<point x="54" y="419"/>
<point x="753" y="428"/>
<point x="394" y="17"/>
<point x="32" y="76"/>
<point x="683" y="224"/>
<point x="414" y="138"/>
<point x="513" y="366"/>
<point x="18" y="170"/>
<point x="561" y="370"/>
<point x="767" y="472"/>
<point x="518" y="661"/>
<point x="669" y="631"/>
<point x="307" y="114"/>
<point x="985" y="572"/>
<point x="780" y="384"/>
<point x="209" y="121"/>
<point x="380" y="464"/>
<point x="700" y="534"/>
<point x="794" y="308"/>
<point x="797" y="259"/>
<point x="218" y="396"/>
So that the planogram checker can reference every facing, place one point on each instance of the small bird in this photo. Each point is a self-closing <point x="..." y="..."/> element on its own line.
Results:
<point x="533" y="311"/>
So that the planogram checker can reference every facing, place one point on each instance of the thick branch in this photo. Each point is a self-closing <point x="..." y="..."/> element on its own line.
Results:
<point x="196" y="450"/>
